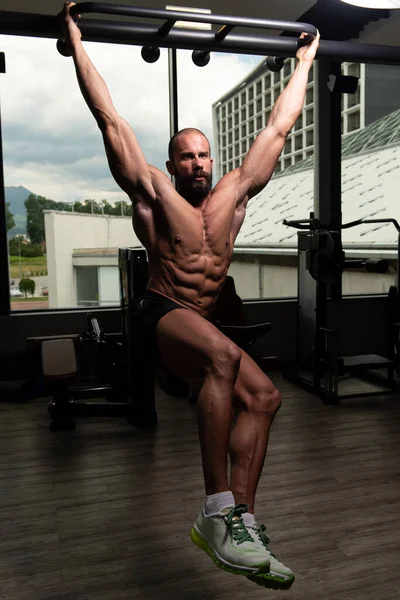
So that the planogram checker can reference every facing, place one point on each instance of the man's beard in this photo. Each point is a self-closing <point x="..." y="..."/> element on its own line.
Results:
<point x="194" y="190"/>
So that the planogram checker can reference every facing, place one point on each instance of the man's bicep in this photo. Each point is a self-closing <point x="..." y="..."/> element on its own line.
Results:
<point x="125" y="157"/>
<point x="260" y="162"/>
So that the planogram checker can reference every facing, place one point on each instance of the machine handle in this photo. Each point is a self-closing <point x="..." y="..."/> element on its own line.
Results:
<point x="303" y="223"/>
<point x="362" y="221"/>
<point x="316" y="224"/>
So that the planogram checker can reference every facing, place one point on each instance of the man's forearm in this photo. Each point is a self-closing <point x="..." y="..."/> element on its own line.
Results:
<point x="289" y="105"/>
<point x="92" y="85"/>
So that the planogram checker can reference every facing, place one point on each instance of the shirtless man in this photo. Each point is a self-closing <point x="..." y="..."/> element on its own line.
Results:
<point x="189" y="235"/>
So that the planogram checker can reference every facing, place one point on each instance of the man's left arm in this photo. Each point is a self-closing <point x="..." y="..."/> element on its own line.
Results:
<point x="261" y="159"/>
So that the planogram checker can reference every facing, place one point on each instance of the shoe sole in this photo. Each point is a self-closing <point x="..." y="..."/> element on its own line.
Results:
<point x="263" y="579"/>
<point x="272" y="582"/>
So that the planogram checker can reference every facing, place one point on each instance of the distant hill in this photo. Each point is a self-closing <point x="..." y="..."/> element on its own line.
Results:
<point x="16" y="196"/>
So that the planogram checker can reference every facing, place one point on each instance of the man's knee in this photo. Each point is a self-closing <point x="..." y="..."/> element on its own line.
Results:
<point x="265" y="399"/>
<point x="224" y="357"/>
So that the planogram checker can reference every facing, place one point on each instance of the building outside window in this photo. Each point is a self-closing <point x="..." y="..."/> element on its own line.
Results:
<point x="358" y="109"/>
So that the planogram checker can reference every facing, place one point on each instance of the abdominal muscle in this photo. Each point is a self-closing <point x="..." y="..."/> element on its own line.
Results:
<point x="189" y="250"/>
<point x="195" y="282"/>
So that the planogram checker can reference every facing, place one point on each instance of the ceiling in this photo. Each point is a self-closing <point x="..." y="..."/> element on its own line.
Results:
<point x="334" y="19"/>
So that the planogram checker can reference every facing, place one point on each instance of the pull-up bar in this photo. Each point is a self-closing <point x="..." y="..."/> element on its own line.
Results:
<point x="167" y="36"/>
<point x="170" y="17"/>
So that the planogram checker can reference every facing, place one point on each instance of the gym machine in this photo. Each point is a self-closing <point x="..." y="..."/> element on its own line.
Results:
<point x="111" y="366"/>
<point x="319" y="366"/>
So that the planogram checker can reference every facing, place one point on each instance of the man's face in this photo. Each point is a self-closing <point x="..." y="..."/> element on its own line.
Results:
<point x="192" y="166"/>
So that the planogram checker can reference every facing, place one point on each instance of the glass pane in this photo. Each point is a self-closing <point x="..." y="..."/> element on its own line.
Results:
<point x="371" y="174"/>
<point x="87" y="286"/>
<point x="69" y="217"/>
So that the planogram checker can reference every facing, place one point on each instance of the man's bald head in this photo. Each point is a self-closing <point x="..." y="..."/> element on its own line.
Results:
<point x="173" y="143"/>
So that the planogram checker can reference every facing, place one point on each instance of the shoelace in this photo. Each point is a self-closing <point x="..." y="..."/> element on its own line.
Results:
<point x="260" y="529"/>
<point x="236" y="526"/>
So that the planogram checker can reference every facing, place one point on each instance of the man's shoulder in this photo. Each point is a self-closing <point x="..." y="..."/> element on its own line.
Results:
<point x="156" y="171"/>
<point x="159" y="178"/>
<point x="227" y="180"/>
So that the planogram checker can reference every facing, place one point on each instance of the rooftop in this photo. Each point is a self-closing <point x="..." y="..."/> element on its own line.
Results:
<point x="370" y="184"/>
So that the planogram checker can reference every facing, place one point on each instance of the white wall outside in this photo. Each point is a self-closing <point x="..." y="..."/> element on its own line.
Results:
<point x="65" y="231"/>
<point x="280" y="281"/>
<point x="246" y="278"/>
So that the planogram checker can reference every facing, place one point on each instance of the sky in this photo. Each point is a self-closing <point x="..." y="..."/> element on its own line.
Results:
<point x="51" y="142"/>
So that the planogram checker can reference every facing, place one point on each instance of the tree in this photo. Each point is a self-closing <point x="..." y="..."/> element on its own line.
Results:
<point x="92" y="207"/>
<point x="122" y="208"/>
<point x="9" y="218"/>
<point x="27" y="286"/>
<point x="18" y="245"/>
<point x="35" y="205"/>
<point x="77" y="206"/>
<point x="14" y="245"/>
<point x="107" y="208"/>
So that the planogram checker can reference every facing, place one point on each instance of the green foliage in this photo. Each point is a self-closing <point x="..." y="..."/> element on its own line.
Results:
<point x="30" y="267"/>
<point x="122" y="208"/>
<point x="38" y="260"/>
<point x="29" y="250"/>
<point x="14" y="245"/>
<point x="103" y="208"/>
<point x="35" y="205"/>
<point x="27" y="286"/>
<point x="9" y="217"/>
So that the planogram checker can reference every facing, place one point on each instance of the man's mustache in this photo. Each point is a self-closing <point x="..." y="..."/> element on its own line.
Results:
<point x="200" y="174"/>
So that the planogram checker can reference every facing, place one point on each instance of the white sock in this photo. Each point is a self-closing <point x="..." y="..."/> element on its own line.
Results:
<point x="217" y="502"/>
<point x="249" y="519"/>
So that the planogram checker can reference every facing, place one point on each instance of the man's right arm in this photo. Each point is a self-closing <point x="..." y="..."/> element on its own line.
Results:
<point x="125" y="158"/>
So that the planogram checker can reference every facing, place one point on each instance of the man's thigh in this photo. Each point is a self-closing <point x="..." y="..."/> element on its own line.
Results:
<point x="186" y="342"/>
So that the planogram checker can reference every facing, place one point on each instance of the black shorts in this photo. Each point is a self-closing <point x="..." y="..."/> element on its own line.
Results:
<point x="149" y="309"/>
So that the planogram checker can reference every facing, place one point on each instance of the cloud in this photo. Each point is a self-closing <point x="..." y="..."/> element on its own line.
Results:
<point x="52" y="144"/>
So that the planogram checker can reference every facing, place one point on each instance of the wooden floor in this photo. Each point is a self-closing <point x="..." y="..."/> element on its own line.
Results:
<point x="104" y="513"/>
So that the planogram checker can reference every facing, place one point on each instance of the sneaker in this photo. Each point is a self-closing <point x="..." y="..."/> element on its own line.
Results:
<point x="226" y="539"/>
<point x="279" y="577"/>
